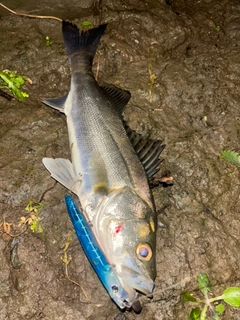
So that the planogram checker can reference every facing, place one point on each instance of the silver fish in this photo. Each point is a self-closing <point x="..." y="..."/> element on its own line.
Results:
<point x="111" y="167"/>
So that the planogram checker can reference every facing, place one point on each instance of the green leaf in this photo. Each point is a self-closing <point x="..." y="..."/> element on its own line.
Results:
<point x="232" y="296"/>
<point x="203" y="283"/>
<point x="188" y="297"/>
<point x="195" y="314"/>
<point x="49" y="42"/>
<point x="18" y="81"/>
<point x="13" y="82"/>
<point x="86" y="23"/>
<point x="40" y="229"/>
<point x="36" y="226"/>
<point x="11" y="85"/>
<point x="220" y="308"/>
<point x="231" y="156"/>
<point x="34" y="206"/>
<point x="218" y="311"/>
<point x="33" y="226"/>
<point x="25" y="94"/>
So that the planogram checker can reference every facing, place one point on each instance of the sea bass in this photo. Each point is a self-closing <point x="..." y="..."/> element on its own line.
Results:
<point x="111" y="167"/>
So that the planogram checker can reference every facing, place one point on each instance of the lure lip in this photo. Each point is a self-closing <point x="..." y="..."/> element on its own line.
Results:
<point x="104" y="270"/>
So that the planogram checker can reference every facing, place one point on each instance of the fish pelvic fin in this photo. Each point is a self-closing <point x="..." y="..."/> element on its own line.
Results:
<point x="75" y="40"/>
<point x="56" y="103"/>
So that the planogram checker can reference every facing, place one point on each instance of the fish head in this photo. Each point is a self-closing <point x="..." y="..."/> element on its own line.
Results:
<point x="125" y="227"/>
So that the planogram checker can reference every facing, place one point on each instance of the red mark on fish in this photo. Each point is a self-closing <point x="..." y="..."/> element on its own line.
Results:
<point x="118" y="229"/>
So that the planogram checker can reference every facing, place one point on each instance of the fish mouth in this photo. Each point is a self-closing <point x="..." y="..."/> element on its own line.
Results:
<point x="127" y="293"/>
<point x="133" y="279"/>
<point x="136" y="280"/>
<point x="132" y="283"/>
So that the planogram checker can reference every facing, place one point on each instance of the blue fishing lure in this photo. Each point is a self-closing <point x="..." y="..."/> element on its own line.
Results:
<point x="101" y="266"/>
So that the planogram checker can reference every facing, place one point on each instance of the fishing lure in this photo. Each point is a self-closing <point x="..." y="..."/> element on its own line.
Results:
<point x="101" y="266"/>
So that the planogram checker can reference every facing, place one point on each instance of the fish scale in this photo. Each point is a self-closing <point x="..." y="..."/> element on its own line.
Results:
<point x="98" y="140"/>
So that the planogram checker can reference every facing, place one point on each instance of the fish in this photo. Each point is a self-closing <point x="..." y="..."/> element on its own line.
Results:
<point x="111" y="167"/>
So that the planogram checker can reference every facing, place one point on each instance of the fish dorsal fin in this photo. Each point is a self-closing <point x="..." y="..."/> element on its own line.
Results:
<point x="62" y="171"/>
<point x="118" y="97"/>
<point x="56" y="103"/>
<point x="148" y="151"/>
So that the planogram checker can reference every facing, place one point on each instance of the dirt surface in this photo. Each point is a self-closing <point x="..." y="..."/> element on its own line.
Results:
<point x="184" y="56"/>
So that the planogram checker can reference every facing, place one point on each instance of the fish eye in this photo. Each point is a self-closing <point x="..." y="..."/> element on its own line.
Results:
<point x="115" y="288"/>
<point x="144" y="251"/>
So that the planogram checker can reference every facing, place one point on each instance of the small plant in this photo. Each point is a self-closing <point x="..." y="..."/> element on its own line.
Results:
<point x="152" y="78"/>
<point x="231" y="156"/>
<point x="14" y="230"/>
<point x="231" y="296"/>
<point x="66" y="259"/>
<point x="11" y="81"/>
<point x="49" y="42"/>
<point x="33" y="220"/>
<point x="86" y="24"/>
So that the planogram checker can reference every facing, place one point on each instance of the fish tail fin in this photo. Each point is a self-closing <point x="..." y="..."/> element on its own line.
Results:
<point x="75" y="40"/>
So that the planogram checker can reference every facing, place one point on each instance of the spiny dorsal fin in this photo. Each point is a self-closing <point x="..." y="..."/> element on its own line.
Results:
<point x="148" y="151"/>
<point x="118" y="97"/>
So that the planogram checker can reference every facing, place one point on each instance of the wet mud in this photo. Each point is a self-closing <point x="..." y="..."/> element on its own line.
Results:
<point x="180" y="61"/>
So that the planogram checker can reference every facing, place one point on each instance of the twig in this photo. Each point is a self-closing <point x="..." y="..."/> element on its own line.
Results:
<point x="7" y="229"/>
<point x="165" y="179"/>
<point x="152" y="78"/>
<point x="29" y="15"/>
<point x="66" y="260"/>
<point x="6" y="95"/>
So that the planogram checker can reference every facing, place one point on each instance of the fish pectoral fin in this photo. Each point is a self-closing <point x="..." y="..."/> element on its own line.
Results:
<point x="118" y="97"/>
<point x="62" y="171"/>
<point x="56" y="103"/>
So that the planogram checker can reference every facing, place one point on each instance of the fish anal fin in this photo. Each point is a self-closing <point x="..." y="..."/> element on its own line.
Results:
<point x="118" y="97"/>
<point x="62" y="171"/>
<point x="56" y="103"/>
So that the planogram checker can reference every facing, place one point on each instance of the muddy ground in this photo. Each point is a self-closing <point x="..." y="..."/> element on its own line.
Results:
<point x="191" y="51"/>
